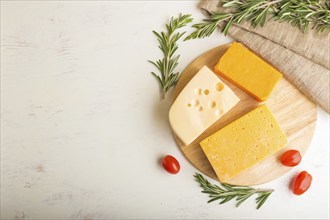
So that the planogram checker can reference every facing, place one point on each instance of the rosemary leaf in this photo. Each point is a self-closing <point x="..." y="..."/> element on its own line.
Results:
<point x="214" y="199"/>
<point x="226" y="192"/>
<point x="227" y="199"/>
<point x="242" y="198"/>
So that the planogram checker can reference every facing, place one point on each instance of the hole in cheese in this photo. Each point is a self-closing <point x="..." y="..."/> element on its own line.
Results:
<point x="198" y="91"/>
<point x="218" y="112"/>
<point x="200" y="108"/>
<point x="212" y="104"/>
<point x="219" y="87"/>
<point x="196" y="102"/>
<point x="206" y="91"/>
<point x="189" y="105"/>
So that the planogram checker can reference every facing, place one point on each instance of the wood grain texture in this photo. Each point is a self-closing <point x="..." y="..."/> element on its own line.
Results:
<point x="294" y="112"/>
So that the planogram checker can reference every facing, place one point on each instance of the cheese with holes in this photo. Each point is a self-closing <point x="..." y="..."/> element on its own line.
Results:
<point x="244" y="143"/>
<point x="202" y="102"/>
<point x="248" y="71"/>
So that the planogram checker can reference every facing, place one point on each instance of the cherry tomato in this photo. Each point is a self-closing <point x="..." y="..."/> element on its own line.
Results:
<point x="170" y="164"/>
<point x="291" y="158"/>
<point x="301" y="183"/>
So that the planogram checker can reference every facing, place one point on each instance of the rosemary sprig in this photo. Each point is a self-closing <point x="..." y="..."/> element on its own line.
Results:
<point x="226" y="192"/>
<point x="300" y="13"/>
<point x="168" y="45"/>
<point x="304" y="13"/>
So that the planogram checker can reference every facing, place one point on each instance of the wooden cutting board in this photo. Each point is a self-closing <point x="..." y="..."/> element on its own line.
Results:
<point x="294" y="112"/>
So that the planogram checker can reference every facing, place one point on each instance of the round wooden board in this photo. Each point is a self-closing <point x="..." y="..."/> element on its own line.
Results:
<point x="294" y="112"/>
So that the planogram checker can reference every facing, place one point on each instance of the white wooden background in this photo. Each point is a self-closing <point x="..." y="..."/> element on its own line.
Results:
<point x="83" y="129"/>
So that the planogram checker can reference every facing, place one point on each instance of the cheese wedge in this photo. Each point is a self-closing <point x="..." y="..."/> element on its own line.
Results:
<point x="202" y="102"/>
<point x="244" y="143"/>
<point x="248" y="71"/>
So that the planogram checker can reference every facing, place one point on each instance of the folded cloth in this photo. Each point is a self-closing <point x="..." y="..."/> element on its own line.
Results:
<point x="303" y="58"/>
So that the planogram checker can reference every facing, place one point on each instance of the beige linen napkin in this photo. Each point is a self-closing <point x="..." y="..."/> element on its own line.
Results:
<point x="303" y="58"/>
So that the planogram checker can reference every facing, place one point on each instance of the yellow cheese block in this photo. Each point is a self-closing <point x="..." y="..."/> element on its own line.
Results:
<point x="243" y="143"/>
<point x="248" y="71"/>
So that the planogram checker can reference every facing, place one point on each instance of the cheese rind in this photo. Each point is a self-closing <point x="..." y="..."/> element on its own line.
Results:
<point x="248" y="71"/>
<point x="244" y="143"/>
<point x="203" y="101"/>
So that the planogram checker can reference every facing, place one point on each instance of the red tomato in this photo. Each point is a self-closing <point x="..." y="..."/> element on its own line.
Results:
<point x="170" y="164"/>
<point x="291" y="158"/>
<point x="301" y="183"/>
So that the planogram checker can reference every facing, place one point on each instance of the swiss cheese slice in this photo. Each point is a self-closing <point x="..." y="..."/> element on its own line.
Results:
<point x="244" y="143"/>
<point x="248" y="71"/>
<point x="201" y="103"/>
